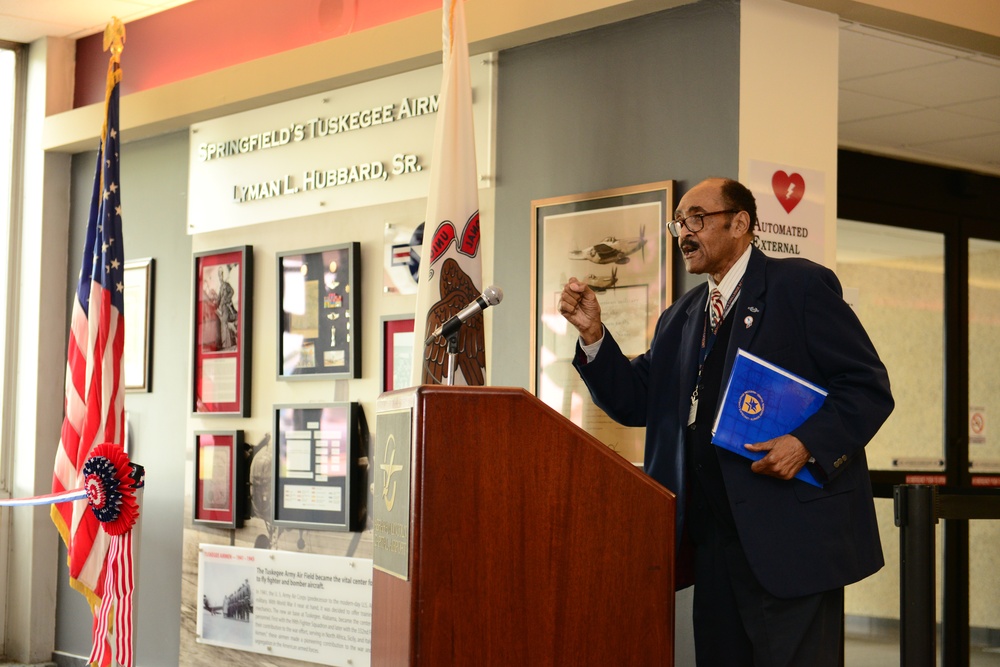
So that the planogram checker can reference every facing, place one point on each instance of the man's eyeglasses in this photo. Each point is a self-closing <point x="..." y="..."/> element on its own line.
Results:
<point x="694" y="223"/>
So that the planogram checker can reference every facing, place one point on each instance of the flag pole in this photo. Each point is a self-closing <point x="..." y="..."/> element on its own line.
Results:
<point x="451" y="271"/>
<point x="100" y="559"/>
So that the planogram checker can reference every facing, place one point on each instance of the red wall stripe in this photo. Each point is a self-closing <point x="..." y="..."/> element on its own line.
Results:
<point x="206" y="35"/>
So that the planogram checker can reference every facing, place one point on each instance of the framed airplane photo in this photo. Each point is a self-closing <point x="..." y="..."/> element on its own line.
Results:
<point x="615" y="242"/>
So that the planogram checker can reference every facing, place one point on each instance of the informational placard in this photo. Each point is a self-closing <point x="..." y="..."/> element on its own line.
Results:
<point x="791" y="205"/>
<point x="348" y="148"/>
<point x="300" y="606"/>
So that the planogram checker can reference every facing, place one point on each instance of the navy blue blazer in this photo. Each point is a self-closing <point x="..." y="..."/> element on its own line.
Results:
<point x="798" y="539"/>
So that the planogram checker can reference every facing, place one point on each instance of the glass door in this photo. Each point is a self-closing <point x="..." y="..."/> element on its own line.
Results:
<point x="984" y="358"/>
<point x="939" y="347"/>
<point x="983" y="258"/>
<point x="894" y="279"/>
<point x="930" y="300"/>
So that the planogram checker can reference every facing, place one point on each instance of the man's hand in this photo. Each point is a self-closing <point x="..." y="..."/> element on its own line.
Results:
<point x="785" y="457"/>
<point x="578" y="304"/>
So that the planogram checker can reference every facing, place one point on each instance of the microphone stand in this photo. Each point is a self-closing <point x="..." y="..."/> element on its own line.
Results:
<point x="452" y="339"/>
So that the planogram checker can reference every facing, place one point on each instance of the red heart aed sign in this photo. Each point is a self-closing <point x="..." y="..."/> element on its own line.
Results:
<point x="788" y="189"/>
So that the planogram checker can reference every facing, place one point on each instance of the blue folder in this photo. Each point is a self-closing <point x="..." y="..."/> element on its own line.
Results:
<point x="763" y="401"/>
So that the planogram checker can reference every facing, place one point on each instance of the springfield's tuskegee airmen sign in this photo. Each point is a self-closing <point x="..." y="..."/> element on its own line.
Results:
<point x="349" y="148"/>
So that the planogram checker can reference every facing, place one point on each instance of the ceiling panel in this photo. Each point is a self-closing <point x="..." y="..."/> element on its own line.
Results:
<point x="983" y="149"/>
<point x="68" y="12"/>
<point x="916" y="127"/>
<point x="26" y="21"/>
<point x="909" y="98"/>
<point x="862" y="56"/>
<point x="22" y="30"/>
<point x="858" y="106"/>
<point x="951" y="82"/>
<point x="987" y="109"/>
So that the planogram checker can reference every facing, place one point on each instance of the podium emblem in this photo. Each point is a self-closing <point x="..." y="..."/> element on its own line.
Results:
<point x="391" y="481"/>
<point x="389" y="468"/>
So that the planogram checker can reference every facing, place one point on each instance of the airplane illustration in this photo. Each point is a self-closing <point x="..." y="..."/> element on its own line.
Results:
<point x="602" y="283"/>
<point x="208" y="607"/>
<point x="613" y="250"/>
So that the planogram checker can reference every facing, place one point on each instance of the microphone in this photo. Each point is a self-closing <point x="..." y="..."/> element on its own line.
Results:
<point x="491" y="296"/>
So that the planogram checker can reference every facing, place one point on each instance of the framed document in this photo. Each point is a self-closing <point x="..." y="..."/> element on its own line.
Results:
<point x="397" y="351"/>
<point x="313" y="459"/>
<point x="319" y="312"/>
<point x="139" y="332"/>
<point x="221" y="479"/>
<point x="223" y="282"/>
<point x="615" y="241"/>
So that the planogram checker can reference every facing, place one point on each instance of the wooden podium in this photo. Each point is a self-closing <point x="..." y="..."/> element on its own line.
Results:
<point x="505" y="535"/>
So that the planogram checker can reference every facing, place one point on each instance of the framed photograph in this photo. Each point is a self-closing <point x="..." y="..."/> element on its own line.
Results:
<point x="223" y="286"/>
<point x="314" y="452"/>
<point x="139" y="332"/>
<point x="397" y="351"/>
<point x="319" y="312"/>
<point x="221" y="482"/>
<point x="615" y="241"/>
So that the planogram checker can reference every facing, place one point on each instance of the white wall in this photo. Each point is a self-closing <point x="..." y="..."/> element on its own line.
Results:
<point x="788" y="94"/>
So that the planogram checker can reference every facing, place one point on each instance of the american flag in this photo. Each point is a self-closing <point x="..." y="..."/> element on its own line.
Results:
<point x="95" y="391"/>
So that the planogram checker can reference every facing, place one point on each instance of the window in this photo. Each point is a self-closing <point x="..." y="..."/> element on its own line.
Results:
<point x="11" y="102"/>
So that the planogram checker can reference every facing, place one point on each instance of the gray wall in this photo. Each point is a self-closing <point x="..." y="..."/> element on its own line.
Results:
<point x="651" y="99"/>
<point x="154" y="177"/>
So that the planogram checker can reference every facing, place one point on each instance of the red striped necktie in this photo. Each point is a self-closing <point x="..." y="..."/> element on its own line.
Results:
<point x="717" y="309"/>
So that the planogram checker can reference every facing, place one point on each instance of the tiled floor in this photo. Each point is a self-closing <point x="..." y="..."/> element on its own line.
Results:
<point x="869" y="642"/>
<point x="869" y="652"/>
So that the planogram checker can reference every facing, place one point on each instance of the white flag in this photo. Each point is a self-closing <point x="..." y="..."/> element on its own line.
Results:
<point x="451" y="270"/>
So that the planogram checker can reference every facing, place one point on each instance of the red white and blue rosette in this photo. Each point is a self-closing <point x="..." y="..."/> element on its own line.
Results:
<point x="110" y="482"/>
<point x="107" y="479"/>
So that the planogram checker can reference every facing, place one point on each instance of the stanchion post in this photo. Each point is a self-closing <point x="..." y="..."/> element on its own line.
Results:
<point x="915" y="517"/>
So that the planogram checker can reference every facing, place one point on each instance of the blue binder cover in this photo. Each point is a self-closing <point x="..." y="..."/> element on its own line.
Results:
<point x="763" y="401"/>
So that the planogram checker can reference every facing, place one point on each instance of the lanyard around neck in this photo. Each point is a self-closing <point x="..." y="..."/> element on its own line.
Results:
<point x="707" y="342"/>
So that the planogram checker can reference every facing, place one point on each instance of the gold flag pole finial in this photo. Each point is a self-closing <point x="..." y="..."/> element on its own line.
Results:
<point x="114" y="38"/>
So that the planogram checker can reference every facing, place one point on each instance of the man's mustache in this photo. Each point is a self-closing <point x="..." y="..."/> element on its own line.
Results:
<point x="689" y="245"/>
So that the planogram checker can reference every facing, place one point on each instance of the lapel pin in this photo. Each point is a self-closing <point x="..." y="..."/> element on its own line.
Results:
<point x="748" y="320"/>
<point x="753" y="309"/>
